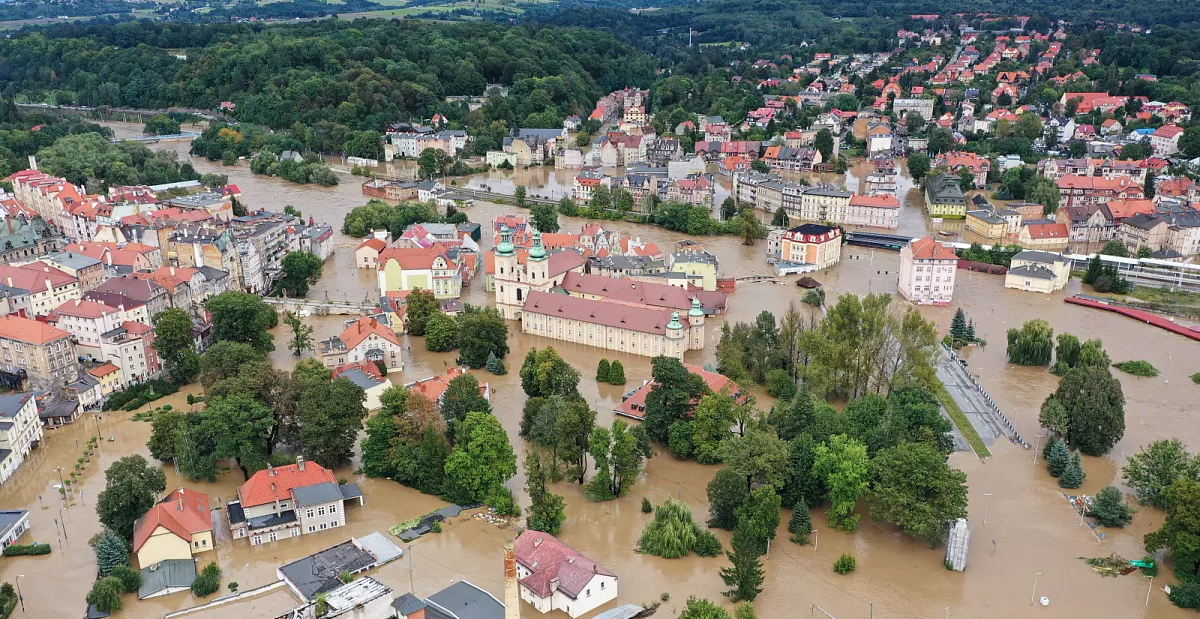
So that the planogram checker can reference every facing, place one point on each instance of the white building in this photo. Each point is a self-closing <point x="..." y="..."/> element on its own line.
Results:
<point x="553" y="576"/>
<point x="1038" y="271"/>
<point x="13" y="524"/>
<point x="927" y="270"/>
<point x="20" y="431"/>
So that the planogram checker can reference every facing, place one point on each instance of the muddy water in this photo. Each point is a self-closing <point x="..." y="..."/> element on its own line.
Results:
<point x="1029" y="526"/>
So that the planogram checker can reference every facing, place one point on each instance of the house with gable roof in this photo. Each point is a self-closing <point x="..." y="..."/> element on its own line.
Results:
<point x="177" y="527"/>
<point x="289" y="501"/>
<point x="554" y="576"/>
<point x="365" y="339"/>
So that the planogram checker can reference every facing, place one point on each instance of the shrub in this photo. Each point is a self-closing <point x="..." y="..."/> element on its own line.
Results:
<point x="130" y="578"/>
<point x="233" y="586"/>
<point x="845" y="564"/>
<point x="707" y="544"/>
<point x="602" y="371"/>
<point x="208" y="582"/>
<point x="1110" y="508"/>
<point x="35" y="548"/>
<point x="646" y="506"/>
<point x="1196" y="378"/>
<point x="1185" y="595"/>
<point x="672" y="534"/>
<point x="106" y="595"/>
<point x="504" y="503"/>
<point x="1137" y="368"/>
<point x="345" y="577"/>
<point x="780" y="384"/>
<point x="436" y="527"/>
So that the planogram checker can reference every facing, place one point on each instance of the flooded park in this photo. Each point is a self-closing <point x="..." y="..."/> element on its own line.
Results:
<point x="1029" y="527"/>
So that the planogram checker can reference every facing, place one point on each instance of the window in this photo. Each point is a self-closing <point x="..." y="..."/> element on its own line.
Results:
<point x="323" y="526"/>
<point x="601" y="585"/>
<point x="295" y="531"/>
<point x="256" y="540"/>
<point x="333" y="508"/>
<point x="589" y="593"/>
<point x="311" y="528"/>
<point x="308" y="514"/>
<point x="272" y="536"/>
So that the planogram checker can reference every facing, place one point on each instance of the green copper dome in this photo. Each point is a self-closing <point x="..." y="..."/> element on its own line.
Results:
<point x="537" y="252"/>
<point x="675" y="324"/>
<point x="505" y="248"/>
<point x="695" y="311"/>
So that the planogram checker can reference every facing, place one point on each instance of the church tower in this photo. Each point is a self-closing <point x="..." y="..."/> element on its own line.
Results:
<point x="696" y="322"/>
<point x="676" y="335"/>
<point x="507" y="287"/>
<point x="539" y="268"/>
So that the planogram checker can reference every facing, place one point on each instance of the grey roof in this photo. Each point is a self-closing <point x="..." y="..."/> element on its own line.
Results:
<point x="988" y="216"/>
<point x="360" y="378"/>
<point x="1032" y="270"/>
<point x="407" y="604"/>
<point x="137" y="289"/>
<point x="168" y="574"/>
<point x="5" y="453"/>
<point x="693" y="256"/>
<point x="61" y="408"/>
<point x="545" y="134"/>
<point x="213" y="274"/>
<point x="625" y="611"/>
<point x="317" y="494"/>
<point x="86" y="381"/>
<point x="11" y="403"/>
<point x="379" y="546"/>
<point x="350" y="491"/>
<point x="824" y="191"/>
<point x="1032" y="255"/>
<point x="318" y="573"/>
<point x="466" y="601"/>
<point x="71" y="260"/>
<point x="1145" y="222"/>
<point x="9" y="519"/>
<point x="944" y="188"/>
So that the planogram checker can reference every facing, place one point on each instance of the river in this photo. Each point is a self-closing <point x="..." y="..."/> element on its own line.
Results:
<point x="1029" y="526"/>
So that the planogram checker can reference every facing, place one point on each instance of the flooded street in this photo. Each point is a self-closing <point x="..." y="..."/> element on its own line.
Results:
<point x="1029" y="529"/>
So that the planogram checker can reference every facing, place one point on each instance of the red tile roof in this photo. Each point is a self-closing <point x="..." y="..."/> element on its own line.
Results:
<point x="182" y="512"/>
<point x="376" y="244"/>
<point x="879" y="201"/>
<point x="549" y="561"/>
<point x="29" y="331"/>
<point x="1047" y="231"/>
<point x="363" y="328"/>
<point x="1120" y="209"/>
<point x="603" y="312"/>
<point x="929" y="249"/>
<point x="635" y="405"/>
<point x="33" y="276"/>
<point x="84" y="309"/>
<point x="415" y="258"/>
<point x="265" y="486"/>
<point x="630" y="291"/>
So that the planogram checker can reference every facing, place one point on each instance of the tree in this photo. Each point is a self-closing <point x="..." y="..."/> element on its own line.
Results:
<point x="1148" y="187"/>
<point x="441" y="332"/>
<point x="545" y="374"/>
<point x="602" y="370"/>
<point x="601" y="201"/>
<point x="958" y="326"/>
<point x="381" y="431"/>
<point x="300" y="270"/>
<point x="111" y="552"/>
<point x="618" y="459"/>
<point x="749" y="227"/>
<point x="130" y="578"/>
<point x="1189" y="142"/>
<point x="913" y="488"/>
<point x="175" y="343"/>
<point x="918" y="166"/>
<point x="758" y="519"/>
<point x="546" y="509"/>
<point x="711" y="423"/>
<point x="463" y="397"/>
<point x="1032" y="344"/>
<point x="208" y="581"/>
<point x="842" y="464"/>
<point x="780" y="219"/>
<point x="1072" y="476"/>
<point x="495" y="365"/>
<point x="672" y="393"/>
<point x="672" y="533"/>
<point x="758" y="165"/>
<point x="161" y="124"/>
<point x="226" y="360"/>
<point x="745" y="572"/>
<point x="616" y="373"/>
<point x="130" y="490"/>
<point x="758" y="456"/>
<point x="1059" y="458"/>
<point x="301" y="334"/>
<point x="566" y="206"/>
<point x="726" y="491"/>
<point x="728" y="208"/>
<point x="1114" y="248"/>
<point x="801" y="483"/>
<point x="1095" y="409"/>
<point x="823" y="142"/>
<point x="420" y="304"/>
<point x="482" y="333"/>
<point x="331" y="413"/>
<point x="940" y="141"/>
<point x="519" y="196"/>
<point x="106" y="594"/>
<point x="1066" y="354"/>
<point x="745" y="610"/>
<point x="242" y="317"/>
<point x="1152" y="471"/>
<point x="800" y="524"/>
<point x="432" y="162"/>
<point x="544" y="218"/>
<point x="164" y="433"/>
<point x="1110" y="509"/>
<point x="481" y="461"/>
<point x="1180" y="533"/>
<point x="699" y="608"/>
<point x="237" y="427"/>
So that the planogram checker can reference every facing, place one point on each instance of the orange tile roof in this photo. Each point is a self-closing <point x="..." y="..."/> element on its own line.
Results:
<point x="415" y="258"/>
<point x="278" y="482"/>
<point x="363" y="328"/>
<point x="635" y="405"/>
<point x="1121" y="209"/>
<point x="167" y="277"/>
<point x="1047" y="231"/>
<point x="182" y="512"/>
<point x="929" y="249"/>
<point x="104" y="369"/>
<point x="29" y="331"/>
<point x="377" y="244"/>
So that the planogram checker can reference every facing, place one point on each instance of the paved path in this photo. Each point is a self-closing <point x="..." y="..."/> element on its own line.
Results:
<point x="960" y="387"/>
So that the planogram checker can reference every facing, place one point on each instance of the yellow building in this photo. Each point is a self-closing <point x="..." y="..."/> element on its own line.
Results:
<point x="944" y="197"/>
<point x="1047" y="237"/>
<point x="178" y="527"/>
<point x="986" y="224"/>
<point x="812" y="244"/>
<point x="698" y="265"/>
<point x="428" y="268"/>
<point x="108" y="375"/>
<point x="613" y="325"/>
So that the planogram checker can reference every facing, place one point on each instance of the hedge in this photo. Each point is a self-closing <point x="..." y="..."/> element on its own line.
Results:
<point x="17" y="550"/>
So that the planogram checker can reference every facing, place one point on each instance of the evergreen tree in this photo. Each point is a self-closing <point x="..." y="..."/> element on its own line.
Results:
<point x="745" y="574"/>
<point x="1110" y="508"/>
<point x="1093" y="271"/>
<point x="780" y="219"/>
<point x="1049" y="446"/>
<point x="1072" y="476"/>
<point x="111" y="552"/>
<point x="958" y="326"/>
<point x="602" y="371"/>
<point x="1149" y="188"/>
<point x="1059" y="459"/>
<point x="495" y="365"/>
<point x="616" y="373"/>
<point x="800" y="525"/>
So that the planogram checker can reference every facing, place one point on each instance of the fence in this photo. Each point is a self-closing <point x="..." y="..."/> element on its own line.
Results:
<point x="993" y="408"/>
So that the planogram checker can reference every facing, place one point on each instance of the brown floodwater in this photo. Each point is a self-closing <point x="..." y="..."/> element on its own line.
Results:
<point x="1029" y="526"/>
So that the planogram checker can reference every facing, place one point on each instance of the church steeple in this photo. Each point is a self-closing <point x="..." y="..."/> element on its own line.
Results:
<point x="505" y="248"/>
<point x="537" y="252"/>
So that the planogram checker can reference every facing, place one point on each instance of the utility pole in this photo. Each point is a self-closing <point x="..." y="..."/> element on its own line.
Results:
<point x="411" y="587"/>
<point x="985" y="505"/>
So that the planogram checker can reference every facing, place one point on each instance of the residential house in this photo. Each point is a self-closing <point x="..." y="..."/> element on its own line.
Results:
<point x="48" y="287"/>
<point x="86" y="321"/>
<point x="812" y="244"/>
<point x="140" y="299"/>
<point x="461" y="600"/>
<point x="108" y="376"/>
<point x="1140" y="231"/>
<point x="89" y="271"/>
<point x="957" y="160"/>
<point x="554" y="576"/>
<point x="1038" y="271"/>
<point x="1165" y="140"/>
<point x="130" y="347"/>
<point x="927" y="269"/>
<point x="366" y="339"/>
<point x="20" y="431"/>
<point x="1078" y="190"/>
<point x="944" y="197"/>
<point x="36" y="352"/>
<point x="699" y="266"/>
<point x="633" y="404"/>
<point x="366" y="255"/>
<point x="184" y="286"/>
<point x="178" y="527"/>
<point x="434" y="388"/>
<point x="27" y="237"/>
<point x="879" y="138"/>
<point x="986" y="223"/>
<point x="429" y="268"/>
<point x="365" y="374"/>
<point x="85" y="391"/>
<point x="289" y="501"/>
<point x="1044" y="236"/>
<point x="1087" y="223"/>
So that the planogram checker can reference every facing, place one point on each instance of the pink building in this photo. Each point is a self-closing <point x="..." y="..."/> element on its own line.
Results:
<point x="879" y="211"/>
<point x="927" y="272"/>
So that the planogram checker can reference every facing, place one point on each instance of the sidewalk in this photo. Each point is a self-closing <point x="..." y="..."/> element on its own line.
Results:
<point x="977" y="410"/>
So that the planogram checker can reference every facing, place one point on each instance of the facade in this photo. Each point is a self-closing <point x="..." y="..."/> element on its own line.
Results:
<point x="1038" y="271"/>
<point x="1165" y="140"/>
<point x="1075" y="190"/>
<point x="41" y="354"/>
<point x="366" y="255"/>
<point x="944" y="197"/>
<point x="428" y="268"/>
<point x="13" y="524"/>
<point x="1044" y="236"/>
<point x="812" y="244"/>
<point x="515" y="279"/>
<point x="881" y="210"/>
<point x="699" y="266"/>
<point x="986" y="223"/>
<point x="48" y="287"/>
<point x="177" y="528"/>
<point x="20" y="431"/>
<point x="924" y="107"/>
<point x="366" y="339"/>
<point x="289" y="501"/>
<point x="612" y="325"/>
<point x="130" y="347"/>
<point x="554" y="576"/>
<point x="927" y="270"/>
<point x="108" y="376"/>
<point x="87" y="320"/>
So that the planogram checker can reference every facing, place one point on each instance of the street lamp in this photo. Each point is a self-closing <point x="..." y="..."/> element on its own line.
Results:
<point x="816" y="539"/>
<point x="64" y="524"/>
<point x="62" y="488"/>
<point x="985" y="505"/>
<point x="22" y="598"/>
<point x="1033" y="595"/>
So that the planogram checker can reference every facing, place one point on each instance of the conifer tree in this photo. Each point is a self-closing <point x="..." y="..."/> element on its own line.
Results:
<point x="616" y="373"/>
<point x="780" y="219"/>
<point x="1094" y="270"/>
<point x="800" y="525"/>
<point x="745" y="573"/>
<point x="1072" y="476"/>
<point x="495" y="365"/>
<point x="971" y="332"/>
<point x="602" y="371"/>
<point x="958" y="326"/>
<point x="1058" y="460"/>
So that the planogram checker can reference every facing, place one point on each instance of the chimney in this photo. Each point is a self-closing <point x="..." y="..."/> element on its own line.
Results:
<point x="512" y="596"/>
<point x="300" y="463"/>
<point x="537" y="542"/>
<point x="270" y="470"/>
<point x="33" y="163"/>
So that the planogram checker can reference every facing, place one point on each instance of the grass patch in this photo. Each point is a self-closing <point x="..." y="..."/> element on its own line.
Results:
<point x="1137" y="368"/>
<point x="960" y="419"/>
